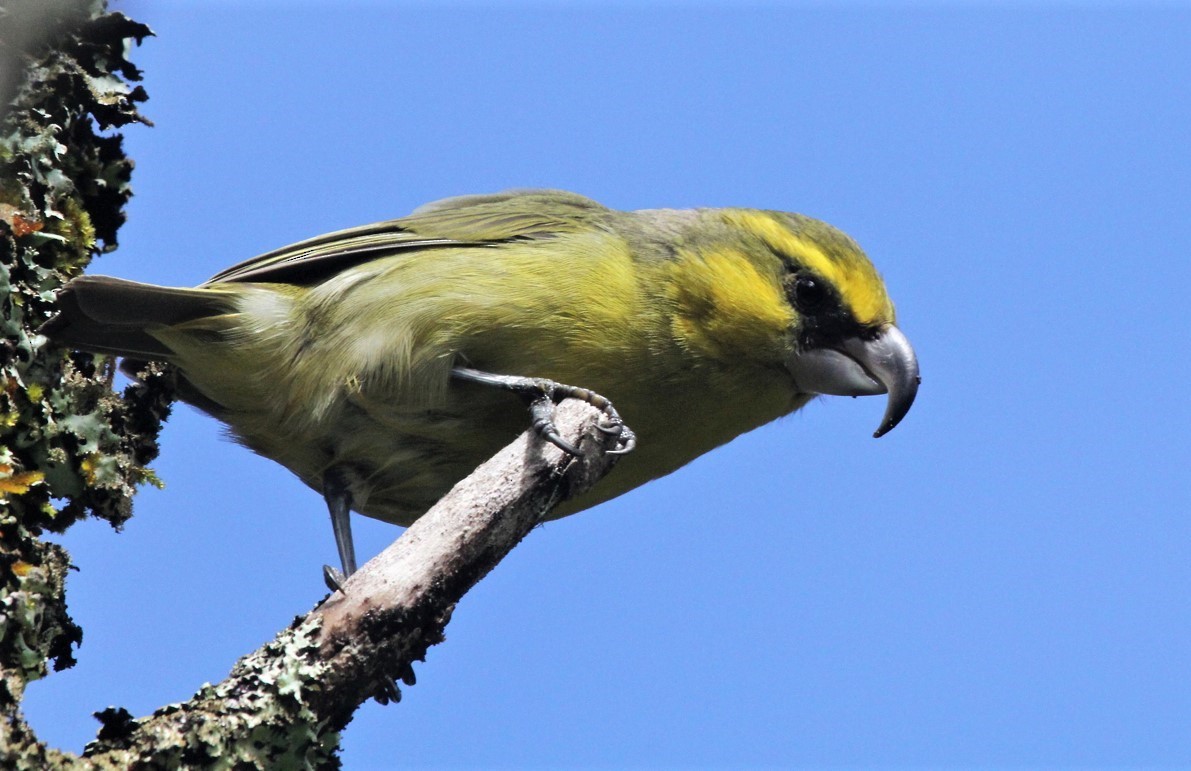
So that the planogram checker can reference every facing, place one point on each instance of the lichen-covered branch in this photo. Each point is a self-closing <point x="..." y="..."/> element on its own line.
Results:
<point x="64" y="181"/>
<point x="68" y="445"/>
<point x="284" y="705"/>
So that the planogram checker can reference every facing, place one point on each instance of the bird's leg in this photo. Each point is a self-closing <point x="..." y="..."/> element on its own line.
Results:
<point x="339" y="502"/>
<point x="542" y="395"/>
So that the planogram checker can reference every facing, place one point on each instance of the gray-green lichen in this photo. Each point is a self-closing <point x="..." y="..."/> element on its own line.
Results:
<point x="69" y="446"/>
<point x="259" y="717"/>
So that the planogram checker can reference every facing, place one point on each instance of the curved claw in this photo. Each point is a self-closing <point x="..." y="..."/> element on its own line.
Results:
<point x="628" y="440"/>
<point x="334" y="578"/>
<point x="542" y="411"/>
<point x="553" y="438"/>
<point x="630" y="444"/>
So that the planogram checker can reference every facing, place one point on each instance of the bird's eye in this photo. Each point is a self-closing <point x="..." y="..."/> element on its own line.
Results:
<point x="809" y="293"/>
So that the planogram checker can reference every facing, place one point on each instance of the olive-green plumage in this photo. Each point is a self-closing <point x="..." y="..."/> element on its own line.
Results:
<point x="337" y="352"/>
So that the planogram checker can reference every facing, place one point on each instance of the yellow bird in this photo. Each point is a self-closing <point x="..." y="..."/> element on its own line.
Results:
<point x="382" y="364"/>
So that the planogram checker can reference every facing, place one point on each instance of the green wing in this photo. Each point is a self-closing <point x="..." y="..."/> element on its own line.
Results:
<point x="471" y="220"/>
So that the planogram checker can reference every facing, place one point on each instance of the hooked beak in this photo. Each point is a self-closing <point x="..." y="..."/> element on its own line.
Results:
<point x="885" y="364"/>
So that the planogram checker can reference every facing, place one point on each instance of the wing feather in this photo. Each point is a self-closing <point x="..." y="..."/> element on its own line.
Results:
<point x="464" y="221"/>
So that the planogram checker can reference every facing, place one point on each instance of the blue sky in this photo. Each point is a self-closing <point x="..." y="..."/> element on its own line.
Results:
<point x="1002" y="580"/>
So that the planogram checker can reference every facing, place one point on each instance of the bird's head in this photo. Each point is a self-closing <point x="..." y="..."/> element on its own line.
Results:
<point x="841" y="336"/>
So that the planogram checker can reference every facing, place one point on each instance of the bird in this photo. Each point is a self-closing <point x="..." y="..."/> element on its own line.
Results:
<point x="383" y="363"/>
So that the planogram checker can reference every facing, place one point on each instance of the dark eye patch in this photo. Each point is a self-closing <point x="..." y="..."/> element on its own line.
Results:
<point x="811" y="295"/>
<point x="824" y="321"/>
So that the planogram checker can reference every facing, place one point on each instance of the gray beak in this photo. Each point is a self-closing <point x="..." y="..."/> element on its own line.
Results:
<point x="885" y="364"/>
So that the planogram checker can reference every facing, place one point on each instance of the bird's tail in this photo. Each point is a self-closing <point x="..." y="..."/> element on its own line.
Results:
<point x="108" y="315"/>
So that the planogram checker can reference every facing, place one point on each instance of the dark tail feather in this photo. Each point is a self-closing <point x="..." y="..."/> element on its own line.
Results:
<point x="110" y="315"/>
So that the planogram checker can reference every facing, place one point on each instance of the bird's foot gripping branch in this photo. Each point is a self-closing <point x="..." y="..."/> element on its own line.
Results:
<point x="543" y="394"/>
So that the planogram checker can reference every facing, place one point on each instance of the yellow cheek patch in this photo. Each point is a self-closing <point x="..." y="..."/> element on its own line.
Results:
<point x="852" y="274"/>
<point x="726" y="305"/>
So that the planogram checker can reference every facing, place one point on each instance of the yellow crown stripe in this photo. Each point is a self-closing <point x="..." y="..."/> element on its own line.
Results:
<point x="858" y="283"/>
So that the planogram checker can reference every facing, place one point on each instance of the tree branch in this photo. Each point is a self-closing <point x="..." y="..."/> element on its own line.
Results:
<point x="286" y="702"/>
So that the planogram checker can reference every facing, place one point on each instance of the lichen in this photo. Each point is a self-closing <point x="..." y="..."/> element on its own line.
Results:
<point x="65" y="181"/>
<point x="69" y="445"/>
<point x="259" y="717"/>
